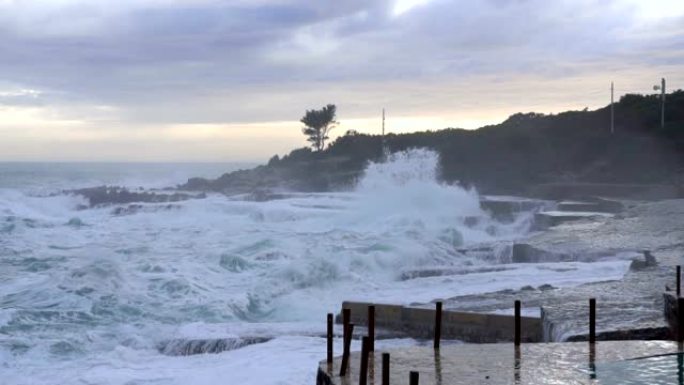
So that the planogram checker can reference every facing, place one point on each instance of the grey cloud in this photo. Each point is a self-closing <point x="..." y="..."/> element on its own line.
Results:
<point x="22" y="97"/>
<point x="239" y="61"/>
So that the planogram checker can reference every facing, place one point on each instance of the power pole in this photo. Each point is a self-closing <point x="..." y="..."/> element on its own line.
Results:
<point x="661" y="87"/>
<point x="383" y="124"/>
<point x="612" y="108"/>
<point x="385" y="151"/>
<point x="662" y="103"/>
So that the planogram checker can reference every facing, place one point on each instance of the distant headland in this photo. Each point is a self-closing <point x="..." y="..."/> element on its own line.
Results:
<point x="524" y="151"/>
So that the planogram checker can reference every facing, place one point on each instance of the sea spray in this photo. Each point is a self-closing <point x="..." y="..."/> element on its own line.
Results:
<point x="403" y="193"/>
<point x="91" y="300"/>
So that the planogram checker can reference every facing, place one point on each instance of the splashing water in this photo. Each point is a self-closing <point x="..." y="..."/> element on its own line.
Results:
<point x="90" y="295"/>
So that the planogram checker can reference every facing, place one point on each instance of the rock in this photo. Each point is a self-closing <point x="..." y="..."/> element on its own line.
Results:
<point x="127" y="210"/>
<point x="263" y="195"/>
<point x="75" y="222"/>
<point x="648" y="262"/>
<point x="527" y="288"/>
<point x="446" y="271"/>
<point x="136" y="208"/>
<point x="546" y="287"/>
<point x="524" y="253"/>
<point x="186" y="347"/>
<point x="108" y="195"/>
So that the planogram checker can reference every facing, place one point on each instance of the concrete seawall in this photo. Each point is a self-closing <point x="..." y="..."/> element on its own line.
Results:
<point x="464" y="326"/>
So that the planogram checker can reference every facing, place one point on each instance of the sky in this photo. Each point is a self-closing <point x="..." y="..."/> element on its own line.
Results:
<point x="210" y="80"/>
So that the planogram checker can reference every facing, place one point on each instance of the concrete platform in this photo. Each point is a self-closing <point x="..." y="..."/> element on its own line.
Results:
<point x="555" y="363"/>
<point x="570" y="190"/>
<point x="505" y="208"/>
<point x="545" y="219"/>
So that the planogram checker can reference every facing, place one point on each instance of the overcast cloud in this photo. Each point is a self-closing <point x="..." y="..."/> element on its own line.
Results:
<point x="88" y="75"/>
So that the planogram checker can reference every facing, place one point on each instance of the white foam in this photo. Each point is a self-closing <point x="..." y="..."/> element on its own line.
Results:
<point x="92" y="301"/>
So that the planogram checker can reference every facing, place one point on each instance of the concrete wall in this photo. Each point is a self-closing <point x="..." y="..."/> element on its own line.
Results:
<point x="469" y="327"/>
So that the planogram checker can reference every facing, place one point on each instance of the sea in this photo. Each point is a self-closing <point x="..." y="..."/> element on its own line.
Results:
<point x="105" y="296"/>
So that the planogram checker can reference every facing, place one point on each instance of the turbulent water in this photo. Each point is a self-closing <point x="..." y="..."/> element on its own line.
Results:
<point x="95" y="296"/>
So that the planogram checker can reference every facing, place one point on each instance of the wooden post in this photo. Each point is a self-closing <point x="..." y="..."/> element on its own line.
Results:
<point x="330" y="338"/>
<point x="345" y="351"/>
<point x="363" y="372"/>
<point x="679" y="281"/>
<point x="517" y="323"/>
<point x="371" y="328"/>
<point x="680" y="319"/>
<point x="385" y="369"/>
<point x="438" y="324"/>
<point x="592" y="320"/>
<point x="413" y="378"/>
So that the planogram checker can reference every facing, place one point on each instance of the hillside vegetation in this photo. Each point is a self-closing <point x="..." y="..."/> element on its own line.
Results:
<point x="525" y="150"/>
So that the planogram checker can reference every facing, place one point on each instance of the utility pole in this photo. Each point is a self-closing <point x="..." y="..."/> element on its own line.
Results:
<point x="661" y="87"/>
<point x="612" y="108"/>
<point x="662" y="103"/>
<point x="385" y="152"/>
<point x="383" y="124"/>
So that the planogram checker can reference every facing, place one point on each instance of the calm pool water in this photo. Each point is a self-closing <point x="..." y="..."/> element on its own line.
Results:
<point x="662" y="369"/>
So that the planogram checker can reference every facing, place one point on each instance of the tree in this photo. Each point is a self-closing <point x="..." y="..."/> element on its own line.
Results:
<point x="318" y="124"/>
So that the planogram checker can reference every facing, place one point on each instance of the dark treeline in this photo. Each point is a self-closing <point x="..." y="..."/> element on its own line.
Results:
<point x="524" y="150"/>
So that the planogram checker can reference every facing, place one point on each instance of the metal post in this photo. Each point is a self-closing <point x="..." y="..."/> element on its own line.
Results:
<point x="438" y="324"/>
<point x="346" y="319"/>
<point x="385" y="369"/>
<point x="330" y="338"/>
<point x="592" y="361"/>
<point x="680" y="319"/>
<point x="516" y="366"/>
<point x="363" y="372"/>
<point x="592" y="320"/>
<point x="413" y="378"/>
<point x="371" y="328"/>
<point x="345" y="351"/>
<point x="517" y="323"/>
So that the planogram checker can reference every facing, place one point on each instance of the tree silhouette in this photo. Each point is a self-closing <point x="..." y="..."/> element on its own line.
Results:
<point x="318" y="124"/>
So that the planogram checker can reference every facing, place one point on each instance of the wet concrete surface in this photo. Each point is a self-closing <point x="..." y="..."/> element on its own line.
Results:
<point x="629" y="308"/>
<point x="632" y="304"/>
<point x="555" y="363"/>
